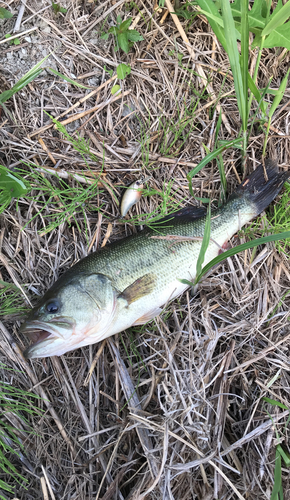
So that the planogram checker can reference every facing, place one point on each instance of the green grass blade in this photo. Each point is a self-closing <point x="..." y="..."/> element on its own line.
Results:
<point x="277" y="477"/>
<point x="245" y="54"/>
<point x="208" y="158"/>
<point x="67" y="79"/>
<point x="208" y="6"/>
<point x="255" y="91"/>
<point x="234" y="57"/>
<point x="27" y="78"/>
<point x="204" y="244"/>
<point x="284" y="454"/>
<point x="275" y="403"/>
<point x="280" y="93"/>
<point x="209" y="15"/>
<point x="277" y="19"/>
<point x="241" y="248"/>
<point x="277" y="99"/>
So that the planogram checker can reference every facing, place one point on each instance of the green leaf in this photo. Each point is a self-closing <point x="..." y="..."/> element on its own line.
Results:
<point x="255" y="91"/>
<point x="5" y="14"/>
<point x="210" y="7"/>
<point x="27" y="78"/>
<point x="279" y="37"/>
<point x="119" y="20"/>
<point x="67" y="79"/>
<point x="186" y="282"/>
<point x="11" y="186"/>
<point x="204" y="244"/>
<point x="113" y="30"/>
<point x="123" y="42"/>
<point x="16" y="41"/>
<point x="8" y="35"/>
<point x="105" y="36"/>
<point x="134" y="36"/>
<point x="279" y="96"/>
<point x="115" y="89"/>
<point x="278" y="18"/>
<point x="110" y="71"/>
<point x="275" y="403"/>
<point x="241" y="248"/>
<point x="123" y="70"/>
<point x="125" y="24"/>
<point x="58" y="8"/>
<point x="255" y="15"/>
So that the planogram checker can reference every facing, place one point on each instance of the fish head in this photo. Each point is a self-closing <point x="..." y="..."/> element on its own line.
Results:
<point x="73" y="313"/>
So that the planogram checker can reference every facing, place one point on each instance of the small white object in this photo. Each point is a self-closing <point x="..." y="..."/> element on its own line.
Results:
<point x="132" y="195"/>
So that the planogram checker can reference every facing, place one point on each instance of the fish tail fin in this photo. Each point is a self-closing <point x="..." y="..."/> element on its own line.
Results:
<point x="263" y="185"/>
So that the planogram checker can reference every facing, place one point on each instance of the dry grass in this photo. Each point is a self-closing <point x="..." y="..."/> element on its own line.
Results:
<point x="174" y="410"/>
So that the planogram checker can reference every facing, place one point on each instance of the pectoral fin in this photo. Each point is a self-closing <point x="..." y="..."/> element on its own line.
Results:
<point x="147" y="317"/>
<point x="140" y="288"/>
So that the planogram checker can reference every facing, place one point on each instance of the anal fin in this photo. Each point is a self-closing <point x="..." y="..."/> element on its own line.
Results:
<point x="147" y="317"/>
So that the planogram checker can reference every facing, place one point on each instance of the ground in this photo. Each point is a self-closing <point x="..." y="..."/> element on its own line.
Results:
<point x="174" y="409"/>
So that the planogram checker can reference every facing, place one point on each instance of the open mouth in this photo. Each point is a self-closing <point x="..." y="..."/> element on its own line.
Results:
<point x="37" y="336"/>
<point x="37" y="332"/>
<point x="45" y="337"/>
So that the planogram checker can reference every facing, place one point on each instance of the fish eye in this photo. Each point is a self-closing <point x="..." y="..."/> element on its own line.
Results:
<point x="52" y="307"/>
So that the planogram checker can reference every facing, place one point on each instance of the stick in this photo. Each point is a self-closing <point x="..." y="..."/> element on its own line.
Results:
<point x="20" y="16"/>
<point x="45" y="148"/>
<point x="95" y="360"/>
<point x="18" y="34"/>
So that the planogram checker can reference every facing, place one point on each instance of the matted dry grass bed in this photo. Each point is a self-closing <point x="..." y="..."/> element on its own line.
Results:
<point x="173" y="409"/>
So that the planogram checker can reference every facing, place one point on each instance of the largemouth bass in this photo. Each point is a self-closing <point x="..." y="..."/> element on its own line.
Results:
<point x="127" y="282"/>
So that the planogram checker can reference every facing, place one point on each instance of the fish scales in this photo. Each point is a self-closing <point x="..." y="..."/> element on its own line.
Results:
<point x="161" y="257"/>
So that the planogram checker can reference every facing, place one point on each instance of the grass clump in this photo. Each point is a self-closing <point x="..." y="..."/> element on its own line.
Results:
<point x="19" y="403"/>
<point x="11" y="300"/>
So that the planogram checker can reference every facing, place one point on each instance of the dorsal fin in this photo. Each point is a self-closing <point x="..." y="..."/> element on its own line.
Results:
<point x="185" y="214"/>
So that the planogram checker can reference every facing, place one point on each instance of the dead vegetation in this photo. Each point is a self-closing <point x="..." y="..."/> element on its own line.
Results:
<point x="173" y="409"/>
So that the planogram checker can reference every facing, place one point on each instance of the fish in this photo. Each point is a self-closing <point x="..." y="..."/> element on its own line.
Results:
<point x="128" y="282"/>
<point x="132" y="195"/>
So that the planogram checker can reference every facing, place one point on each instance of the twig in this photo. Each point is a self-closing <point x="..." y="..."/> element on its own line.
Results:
<point x="20" y="16"/>
<point x="45" y="148"/>
<point x="96" y="359"/>
<point x="48" y="483"/>
<point x="19" y="34"/>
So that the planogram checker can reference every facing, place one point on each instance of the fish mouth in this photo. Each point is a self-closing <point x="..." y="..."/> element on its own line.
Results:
<point x="42" y="336"/>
